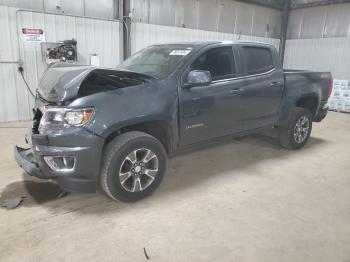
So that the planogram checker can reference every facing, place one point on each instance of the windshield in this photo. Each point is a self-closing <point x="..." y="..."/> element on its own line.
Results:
<point x="156" y="61"/>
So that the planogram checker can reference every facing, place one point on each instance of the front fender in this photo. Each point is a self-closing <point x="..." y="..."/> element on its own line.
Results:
<point x="131" y="106"/>
<point x="132" y="122"/>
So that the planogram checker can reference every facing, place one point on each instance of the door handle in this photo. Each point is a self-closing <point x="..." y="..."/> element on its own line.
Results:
<point x="275" y="83"/>
<point x="236" y="92"/>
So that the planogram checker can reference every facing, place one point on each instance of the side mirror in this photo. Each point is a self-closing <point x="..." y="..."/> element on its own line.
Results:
<point x="198" y="78"/>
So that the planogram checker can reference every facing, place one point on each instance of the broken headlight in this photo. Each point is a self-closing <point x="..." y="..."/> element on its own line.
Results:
<point x="56" y="119"/>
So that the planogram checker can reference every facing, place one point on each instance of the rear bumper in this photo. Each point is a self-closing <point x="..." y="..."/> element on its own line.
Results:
<point x="85" y="147"/>
<point x="322" y="113"/>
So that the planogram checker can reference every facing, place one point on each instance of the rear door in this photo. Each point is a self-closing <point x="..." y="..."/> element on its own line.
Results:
<point x="262" y="85"/>
<point x="214" y="110"/>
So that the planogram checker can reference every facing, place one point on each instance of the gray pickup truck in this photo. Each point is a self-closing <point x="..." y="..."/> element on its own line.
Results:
<point x="117" y="127"/>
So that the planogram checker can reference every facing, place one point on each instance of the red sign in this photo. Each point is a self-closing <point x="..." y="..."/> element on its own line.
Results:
<point x="32" y="31"/>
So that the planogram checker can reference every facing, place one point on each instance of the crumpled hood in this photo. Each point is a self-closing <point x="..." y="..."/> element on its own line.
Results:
<point x="62" y="82"/>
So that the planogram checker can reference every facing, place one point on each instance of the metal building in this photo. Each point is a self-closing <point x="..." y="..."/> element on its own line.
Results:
<point x="300" y="28"/>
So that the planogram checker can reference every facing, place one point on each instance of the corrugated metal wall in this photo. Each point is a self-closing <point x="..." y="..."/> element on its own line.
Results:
<point x="320" y="22"/>
<point x="143" y="35"/>
<point x="327" y="54"/>
<point x="15" y="101"/>
<point x="107" y="9"/>
<point x="225" y="16"/>
<point x="319" y="39"/>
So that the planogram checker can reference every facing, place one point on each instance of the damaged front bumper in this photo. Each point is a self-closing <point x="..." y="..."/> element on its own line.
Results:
<point x="25" y="159"/>
<point x="82" y="146"/>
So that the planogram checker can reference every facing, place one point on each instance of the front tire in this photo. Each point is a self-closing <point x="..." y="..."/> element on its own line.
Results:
<point x="296" y="132"/>
<point x="133" y="166"/>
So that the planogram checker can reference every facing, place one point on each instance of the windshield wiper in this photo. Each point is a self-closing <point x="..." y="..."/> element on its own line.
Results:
<point x="141" y="75"/>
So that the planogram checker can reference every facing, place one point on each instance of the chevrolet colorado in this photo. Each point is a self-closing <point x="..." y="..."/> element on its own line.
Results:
<point x="116" y="127"/>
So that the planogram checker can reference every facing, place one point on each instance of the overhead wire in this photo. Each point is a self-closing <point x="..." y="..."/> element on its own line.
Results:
<point x="26" y="83"/>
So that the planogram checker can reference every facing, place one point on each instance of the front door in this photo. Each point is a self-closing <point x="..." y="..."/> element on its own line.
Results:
<point x="213" y="110"/>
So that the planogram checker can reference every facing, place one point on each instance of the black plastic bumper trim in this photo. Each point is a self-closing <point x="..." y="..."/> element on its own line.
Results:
<point x="25" y="159"/>
<point x="321" y="115"/>
<point x="83" y="185"/>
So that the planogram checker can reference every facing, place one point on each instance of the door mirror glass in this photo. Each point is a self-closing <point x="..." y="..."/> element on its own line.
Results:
<point x="198" y="78"/>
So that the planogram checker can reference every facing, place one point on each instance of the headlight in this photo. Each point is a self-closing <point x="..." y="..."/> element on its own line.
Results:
<point x="56" y="119"/>
<point x="78" y="117"/>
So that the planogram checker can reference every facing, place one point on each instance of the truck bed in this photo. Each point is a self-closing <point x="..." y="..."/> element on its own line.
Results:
<point x="307" y="82"/>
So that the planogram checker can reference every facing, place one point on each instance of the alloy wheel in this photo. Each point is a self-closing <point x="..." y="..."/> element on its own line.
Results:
<point x="138" y="170"/>
<point x="301" y="129"/>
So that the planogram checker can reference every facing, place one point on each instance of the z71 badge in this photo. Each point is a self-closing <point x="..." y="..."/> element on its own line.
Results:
<point x="194" y="126"/>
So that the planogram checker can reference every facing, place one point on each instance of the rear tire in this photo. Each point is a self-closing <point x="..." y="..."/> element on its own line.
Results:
<point x="296" y="132"/>
<point x="133" y="166"/>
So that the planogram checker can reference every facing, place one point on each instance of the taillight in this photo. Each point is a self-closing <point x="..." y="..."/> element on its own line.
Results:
<point x="330" y="87"/>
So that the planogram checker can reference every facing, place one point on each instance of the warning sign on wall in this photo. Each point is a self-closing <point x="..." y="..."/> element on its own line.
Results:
<point x="33" y="35"/>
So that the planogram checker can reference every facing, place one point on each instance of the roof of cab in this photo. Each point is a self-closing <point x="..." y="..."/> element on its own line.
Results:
<point x="206" y="43"/>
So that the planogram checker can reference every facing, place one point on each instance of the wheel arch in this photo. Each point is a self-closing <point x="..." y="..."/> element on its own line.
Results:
<point x="158" y="128"/>
<point x="309" y="102"/>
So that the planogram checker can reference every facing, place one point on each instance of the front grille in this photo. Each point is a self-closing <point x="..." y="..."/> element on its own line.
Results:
<point x="36" y="120"/>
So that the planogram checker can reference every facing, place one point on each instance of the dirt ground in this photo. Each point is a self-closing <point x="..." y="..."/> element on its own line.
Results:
<point x="243" y="200"/>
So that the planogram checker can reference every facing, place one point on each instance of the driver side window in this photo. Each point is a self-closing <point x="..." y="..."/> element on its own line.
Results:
<point x="218" y="61"/>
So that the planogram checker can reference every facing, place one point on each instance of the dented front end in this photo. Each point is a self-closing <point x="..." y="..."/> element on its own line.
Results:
<point x="75" y="110"/>
<point x="61" y="83"/>
<point x="59" y="146"/>
<point x="72" y="158"/>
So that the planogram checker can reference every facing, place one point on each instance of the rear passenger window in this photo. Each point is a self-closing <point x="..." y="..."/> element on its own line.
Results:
<point x="258" y="60"/>
<point x="218" y="61"/>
